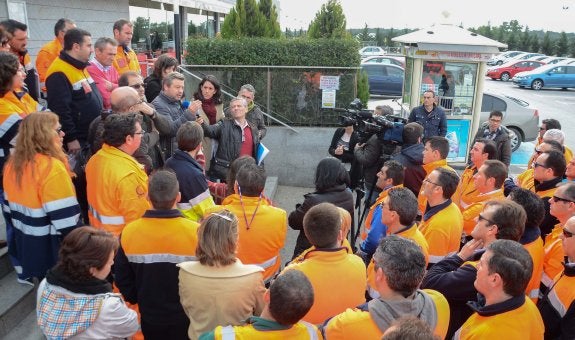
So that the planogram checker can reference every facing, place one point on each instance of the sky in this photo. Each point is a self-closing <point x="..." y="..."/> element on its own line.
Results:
<point x="546" y="15"/>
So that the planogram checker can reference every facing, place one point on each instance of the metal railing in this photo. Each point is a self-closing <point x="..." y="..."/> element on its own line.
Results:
<point x="289" y="95"/>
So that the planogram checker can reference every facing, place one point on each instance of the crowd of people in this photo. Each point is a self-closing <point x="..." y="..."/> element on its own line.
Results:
<point x="182" y="242"/>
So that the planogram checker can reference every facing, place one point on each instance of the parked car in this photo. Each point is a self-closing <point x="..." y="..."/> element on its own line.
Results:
<point x="510" y="69"/>
<point x="552" y="60"/>
<point x="528" y="56"/>
<point x="369" y="51"/>
<point x="561" y="76"/>
<point x="385" y="59"/>
<point x="502" y="58"/>
<point x="539" y="58"/>
<point x="384" y="79"/>
<point x="519" y="117"/>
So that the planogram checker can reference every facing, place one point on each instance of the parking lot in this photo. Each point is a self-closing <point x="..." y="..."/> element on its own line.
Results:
<point x="551" y="103"/>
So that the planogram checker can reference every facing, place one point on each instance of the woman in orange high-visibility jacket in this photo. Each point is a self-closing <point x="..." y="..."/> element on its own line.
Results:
<point x="40" y="201"/>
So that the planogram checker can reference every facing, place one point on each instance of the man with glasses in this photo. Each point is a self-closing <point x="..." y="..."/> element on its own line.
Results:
<point x="493" y="130"/>
<point x="117" y="184"/>
<point x="51" y="50"/>
<point x="434" y="153"/>
<point x="430" y="116"/>
<point x="562" y="207"/>
<point x="398" y="212"/>
<point x="101" y="70"/>
<point x="255" y="114"/>
<point x="502" y="310"/>
<point x="262" y="229"/>
<point x="442" y="222"/>
<point x="558" y="306"/>
<point x="454" y="277"/>
<point x="399" y="266"/>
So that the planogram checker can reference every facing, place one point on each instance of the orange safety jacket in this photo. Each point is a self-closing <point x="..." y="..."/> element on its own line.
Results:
<point x="321" y="266"/>
<point x="553" y="255"/>
<point x="558" y="307"/>
<point x="47" y="54"/>
<point x="117" y="189"/>
<point x="535" y="249"/>
<point x="466" y="191"/>
<point x="125" y="61"/>
<point x="10" y="104"/>
<point x="42" y="210"/>
<point x="473" y="210"/>
<point x="262" y="231"/>
<point x="443" y="232"/>
<point x="300" y="331"/>
<point x="358" y="323"/>
<point x="421" y="199"/>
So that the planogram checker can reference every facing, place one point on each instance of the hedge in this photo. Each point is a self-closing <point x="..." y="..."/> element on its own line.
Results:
<point x="294" y="92"/>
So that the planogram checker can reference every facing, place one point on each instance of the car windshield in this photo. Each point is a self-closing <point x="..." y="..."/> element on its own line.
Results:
<point x="518" y="101"/>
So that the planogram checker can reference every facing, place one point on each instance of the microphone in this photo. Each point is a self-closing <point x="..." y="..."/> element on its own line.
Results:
<point x="185" y="104"/>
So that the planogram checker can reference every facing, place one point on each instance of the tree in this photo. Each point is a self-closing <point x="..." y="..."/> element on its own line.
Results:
<point x="364" y="36"/>
<point x="271" y="24"/>
<point x="329" y="22"/>
<point x="512" y="41"/>
<point x="141" y="28"/>
<point x="547" y="44"/>
<point x="535" y="43"/>
<point x="379" y="37"/>
<point x="525" y="44"/>
<point x="390" y="35"/>
<point x="561" y="45"/>
<point x="572" y="47"/>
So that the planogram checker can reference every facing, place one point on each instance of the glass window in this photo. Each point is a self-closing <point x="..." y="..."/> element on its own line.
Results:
<point x="453" y="84"/>
<point x="394" y="72"/>
<point x="490" y="103"/>
<point x="570" y="70"/>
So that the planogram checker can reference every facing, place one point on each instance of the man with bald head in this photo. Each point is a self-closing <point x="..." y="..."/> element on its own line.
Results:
<point x="125" y="100"/>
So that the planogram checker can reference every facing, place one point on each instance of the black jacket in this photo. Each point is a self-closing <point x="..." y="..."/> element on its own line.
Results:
<point x="369" y="157"/>
<point x="229" y="136"/>
<point x="339" y="195"/>
<point x="347" y="156"/>
<point x="502" y="140"/>
<point x="153" y="87"/>
<point x="411" y="157"/>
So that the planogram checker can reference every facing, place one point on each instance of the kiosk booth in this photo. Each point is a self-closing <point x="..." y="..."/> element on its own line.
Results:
<point x="451" y="61"/>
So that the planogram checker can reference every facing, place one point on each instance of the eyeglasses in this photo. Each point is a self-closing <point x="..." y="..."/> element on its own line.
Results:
<point x="567" y="233"/>
<point x="559" y="199"/>
<point x="428" y="181"/>
<point x="58" y="130"/>
<point x="495" y="120"/>
<point x="535" y="165"/>
<point x="542" y="129"/>
<point x="138" y="86"/>
<point x="140" y="133"/>
<point x="481" y="218"/>
<point x="538" y="151"/>
<point x="220" y="214"/>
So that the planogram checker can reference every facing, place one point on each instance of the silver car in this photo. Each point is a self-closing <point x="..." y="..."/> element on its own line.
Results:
<point x="520" y="118"/>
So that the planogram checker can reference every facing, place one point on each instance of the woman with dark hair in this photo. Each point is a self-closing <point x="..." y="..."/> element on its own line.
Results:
<point x="218" y="289"/>
<point x="212" y="110"/>
<point x="331" y="185"/>
<point x="163" y="66"/>
<point x="75" y="301"/>
<point x="39" y="196"/>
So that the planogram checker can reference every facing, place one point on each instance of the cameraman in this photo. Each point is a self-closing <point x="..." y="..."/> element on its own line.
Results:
<point x="368" y="155"/>
<point x="411" y="157"/>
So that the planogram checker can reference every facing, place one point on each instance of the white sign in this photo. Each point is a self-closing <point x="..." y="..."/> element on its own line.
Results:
<point x="329" y="82"/>
<point x="328" y="99"/>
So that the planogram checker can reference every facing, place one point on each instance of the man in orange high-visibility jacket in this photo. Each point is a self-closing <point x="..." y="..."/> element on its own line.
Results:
<point x="51" y="50"/>
<point x="117" y="183"/>
<point x="292" y="288"/>
<point x="126" y="59"/>
<point x="399" y="269"/>
<point x="502" y="275"/>
<point x="262" y="228"/>
<point x="329" y="260"/>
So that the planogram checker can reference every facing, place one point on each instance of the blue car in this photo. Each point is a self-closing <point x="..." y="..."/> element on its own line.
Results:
<point x="561" y="76"/>
<point x="384" y="79"/>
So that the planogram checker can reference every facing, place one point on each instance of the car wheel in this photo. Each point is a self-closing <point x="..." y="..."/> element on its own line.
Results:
<point x="493" y="78"/>
<point x="499" y="62"/>
<point x="504" y="76"/>
<point x="515" y="136"/>
<point x="537" y="84"/>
